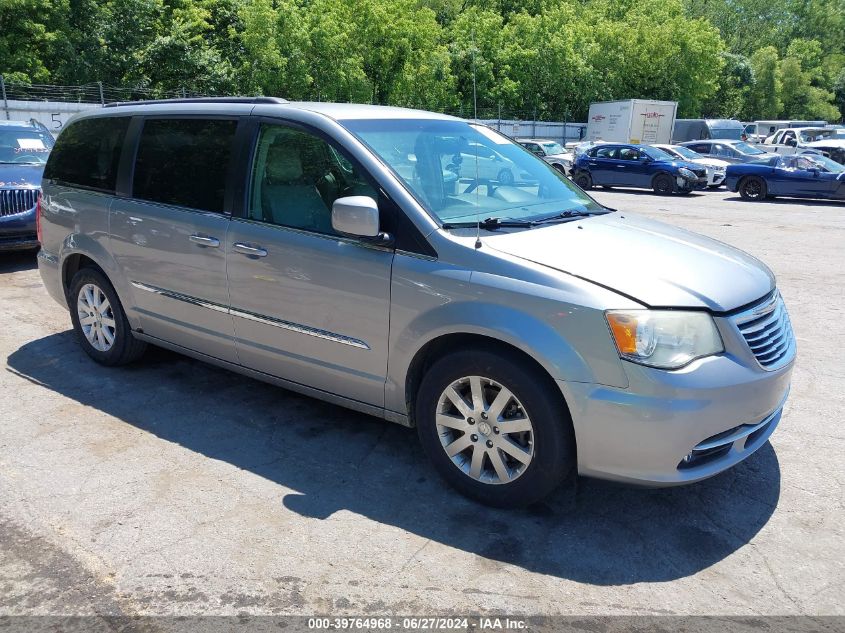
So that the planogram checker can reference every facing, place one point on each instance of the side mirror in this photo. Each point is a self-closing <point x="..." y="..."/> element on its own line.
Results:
<point x="356" y="215"/>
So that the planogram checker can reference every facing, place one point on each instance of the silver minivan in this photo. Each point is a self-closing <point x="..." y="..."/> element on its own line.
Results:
<point x="359" y="255"/>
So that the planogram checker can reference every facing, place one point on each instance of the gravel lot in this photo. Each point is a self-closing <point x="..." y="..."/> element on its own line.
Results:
<point x="172" y="487"/>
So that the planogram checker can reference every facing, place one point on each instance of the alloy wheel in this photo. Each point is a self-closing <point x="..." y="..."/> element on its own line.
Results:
<point x="96" y="317"/>
<point x="485" y="430"/>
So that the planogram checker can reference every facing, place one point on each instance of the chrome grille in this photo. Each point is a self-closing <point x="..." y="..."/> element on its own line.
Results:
<point x="14" y="201"/>
<point x="768" y="332"/>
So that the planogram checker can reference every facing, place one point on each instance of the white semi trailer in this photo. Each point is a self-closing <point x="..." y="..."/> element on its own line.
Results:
<point x="631" y="121"/>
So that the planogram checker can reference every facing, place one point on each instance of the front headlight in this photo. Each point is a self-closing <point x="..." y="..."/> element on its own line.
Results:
<point x="686" y="173"/>
<point x="667" y="339"/>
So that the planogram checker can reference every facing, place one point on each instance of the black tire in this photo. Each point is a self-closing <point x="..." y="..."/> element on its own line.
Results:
<point x="125" y="348"/>
<point x="505" y="177"/>
<point x="583" y="180"/>
<point x="753" y="188"/>
<point x="663" y="184"/>
<point x="553" y="438"/>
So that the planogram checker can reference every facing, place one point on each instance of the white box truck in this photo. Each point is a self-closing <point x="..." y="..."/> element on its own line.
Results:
<point x="631" y="121"/>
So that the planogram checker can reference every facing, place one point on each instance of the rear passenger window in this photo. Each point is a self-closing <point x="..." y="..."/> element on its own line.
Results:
<point x="607" y="152"/>
<point x="87" y="153"/>
<point x="184" y="162"/>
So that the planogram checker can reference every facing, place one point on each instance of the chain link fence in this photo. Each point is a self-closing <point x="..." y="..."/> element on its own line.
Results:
<point x="514" y="123"/>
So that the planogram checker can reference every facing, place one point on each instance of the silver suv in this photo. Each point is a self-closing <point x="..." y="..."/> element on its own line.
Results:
<point x="359" y="255"/>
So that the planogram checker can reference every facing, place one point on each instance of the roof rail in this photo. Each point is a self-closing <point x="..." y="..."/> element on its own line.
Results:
<point x="254" y="100"/>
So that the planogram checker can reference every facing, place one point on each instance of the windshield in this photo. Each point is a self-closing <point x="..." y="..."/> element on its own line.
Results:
<point x="553" y="148"/>
<point x="24" y="146"/>
<point x="466" y="172"/>
<point x="809" y="161"/>
<point x="686" y="152"/>
<point x="656" y="154"/>
<point x="808" y="136"/>
<point x="728" y="133"/>
<point x="745" y="148"/>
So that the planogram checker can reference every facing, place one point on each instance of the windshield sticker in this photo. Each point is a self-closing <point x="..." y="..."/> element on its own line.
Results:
<point x="31" y="143"/>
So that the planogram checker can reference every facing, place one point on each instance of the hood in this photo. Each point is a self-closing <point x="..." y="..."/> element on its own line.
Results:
<point x="831" y="142"/>
<point x="759" y="158"/>
<point x="677" y="163"/>
<point x="656" y="264"/>
<point x="711" y="162"/>
<point x="13" y="175"/>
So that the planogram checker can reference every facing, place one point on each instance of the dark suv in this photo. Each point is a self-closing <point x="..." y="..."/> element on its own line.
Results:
<point x="642" y="166"/>
<point x="24" y="147"/>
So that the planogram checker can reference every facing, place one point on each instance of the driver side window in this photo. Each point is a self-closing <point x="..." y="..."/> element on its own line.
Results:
<point x="297" y="176"/>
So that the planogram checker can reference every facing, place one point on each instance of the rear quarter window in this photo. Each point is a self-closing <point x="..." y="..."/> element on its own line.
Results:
<point x="87" y="154"/>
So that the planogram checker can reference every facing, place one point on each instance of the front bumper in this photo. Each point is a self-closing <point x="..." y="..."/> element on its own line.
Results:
<point x="17" y="231"/>
<point x="715" y="178"/>
<point x="690" y="184"/>
<point x="675" y="427"/>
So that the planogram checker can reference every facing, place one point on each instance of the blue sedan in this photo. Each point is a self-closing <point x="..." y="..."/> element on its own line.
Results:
<point x="610" y="165"/>
<point x="802" y="176"/>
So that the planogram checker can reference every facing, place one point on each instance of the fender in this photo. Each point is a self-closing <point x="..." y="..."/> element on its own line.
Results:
<point x="91" y="247"/>
<point x="571" y="342"/>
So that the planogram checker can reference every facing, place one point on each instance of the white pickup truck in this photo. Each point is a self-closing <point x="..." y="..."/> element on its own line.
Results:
<point x="808" y="140"/>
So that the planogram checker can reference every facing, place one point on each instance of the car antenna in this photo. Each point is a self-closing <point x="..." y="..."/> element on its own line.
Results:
<point x="475" y="117"/>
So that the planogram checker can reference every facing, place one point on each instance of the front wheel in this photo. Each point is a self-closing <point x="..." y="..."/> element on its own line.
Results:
<point x="753" y="188"/>
<point x="663" y="184"/>
<point x="583" y="180"/>
<point x="493" y="427"/>
<point x="99" y="321"/>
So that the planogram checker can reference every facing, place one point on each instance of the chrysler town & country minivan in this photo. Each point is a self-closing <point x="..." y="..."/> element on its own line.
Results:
<point x="357" y="254"/>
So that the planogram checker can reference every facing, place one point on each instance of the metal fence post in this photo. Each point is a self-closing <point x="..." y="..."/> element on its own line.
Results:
<point x="102" y="98"/>
<point x="5" y="101"/>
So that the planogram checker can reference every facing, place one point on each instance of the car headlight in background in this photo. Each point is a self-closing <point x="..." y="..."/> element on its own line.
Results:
<point x="686" y="173"/>
<point x="667" y="339"/>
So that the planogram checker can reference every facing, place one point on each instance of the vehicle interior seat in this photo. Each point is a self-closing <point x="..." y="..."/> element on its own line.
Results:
<point x="288" y="196"/>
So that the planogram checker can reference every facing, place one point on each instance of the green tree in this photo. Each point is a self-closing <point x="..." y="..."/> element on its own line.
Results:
<point x="764" y="97"/>
<point x="801" y="100"/>
<point x="839" y="94"/>
<point x="26" y="35"/>
<point x="731" y="99"/>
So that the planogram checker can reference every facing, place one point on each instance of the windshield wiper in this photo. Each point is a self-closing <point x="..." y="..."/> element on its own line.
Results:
<point x="493" y="223"/>
<point x="490" y="224"/>
<point x="567" y="215"/>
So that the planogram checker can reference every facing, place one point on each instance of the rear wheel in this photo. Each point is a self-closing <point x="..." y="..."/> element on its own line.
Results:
<point x="583" y="180"/>
<point x="493" y="428"/>
<point x="99" y="321"/>
<point x="663" y="184"/>
<point x="753" y="188"/>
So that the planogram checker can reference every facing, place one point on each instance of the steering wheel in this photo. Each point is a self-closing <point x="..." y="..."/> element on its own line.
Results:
<point x="22" y="157"/>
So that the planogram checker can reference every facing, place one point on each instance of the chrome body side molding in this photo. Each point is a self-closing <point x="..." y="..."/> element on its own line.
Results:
<point x="259" y="318"/>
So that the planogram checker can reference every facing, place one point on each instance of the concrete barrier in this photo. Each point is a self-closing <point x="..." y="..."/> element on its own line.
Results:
<point x="53" y="114"/>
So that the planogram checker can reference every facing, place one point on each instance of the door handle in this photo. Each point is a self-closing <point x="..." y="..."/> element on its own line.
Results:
<point x="251" y="251"/>
<point x="202" y="240"/>
<point x="621" y="166"/>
